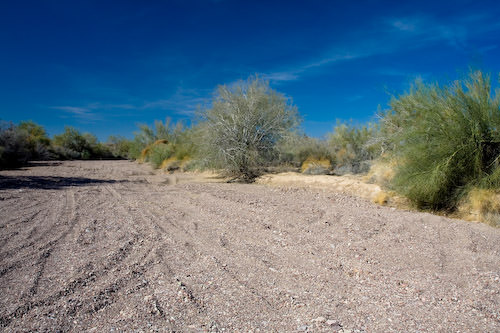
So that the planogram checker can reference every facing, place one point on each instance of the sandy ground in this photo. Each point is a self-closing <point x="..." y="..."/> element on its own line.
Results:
<point x="111" y="246"/>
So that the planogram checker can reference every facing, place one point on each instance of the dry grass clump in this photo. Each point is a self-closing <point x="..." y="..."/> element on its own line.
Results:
<point x="382" y="172"/>
<point x="483" y="205"/>
<point x="381" y="198"/>
<point x="313" y="166"/>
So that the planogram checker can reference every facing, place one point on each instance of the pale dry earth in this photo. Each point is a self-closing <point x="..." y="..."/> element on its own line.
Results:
<point x="105" y="246"/>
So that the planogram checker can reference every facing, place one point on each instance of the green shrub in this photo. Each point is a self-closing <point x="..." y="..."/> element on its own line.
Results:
<point x="37" y="140"/>
<point x="119" y="146"/>
<point x="146" y="136"/>
<point x="160" y="152"/>
<point x="73" y="144"/>
<point x="296" y="148"/>
<point x="447" y="139"/>
<point x="243" y="127"/>
<point x="14" y="151"/>
<point x="352" y="147"/>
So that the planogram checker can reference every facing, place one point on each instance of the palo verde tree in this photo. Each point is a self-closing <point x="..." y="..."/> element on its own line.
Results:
<point x="446" y="139"/>
<point x="243" y="126"/>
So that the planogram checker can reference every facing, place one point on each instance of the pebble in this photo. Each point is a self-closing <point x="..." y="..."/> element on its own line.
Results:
<point x="319" y="320"/>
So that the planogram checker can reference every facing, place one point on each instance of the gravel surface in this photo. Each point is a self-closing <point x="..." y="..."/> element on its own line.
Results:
<point x="111" y="246"/>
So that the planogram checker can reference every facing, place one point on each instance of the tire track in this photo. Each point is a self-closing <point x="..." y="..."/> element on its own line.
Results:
<point x="205" y="244"/>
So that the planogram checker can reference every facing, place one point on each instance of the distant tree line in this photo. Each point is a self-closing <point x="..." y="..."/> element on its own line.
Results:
<point x="29" y="141"/>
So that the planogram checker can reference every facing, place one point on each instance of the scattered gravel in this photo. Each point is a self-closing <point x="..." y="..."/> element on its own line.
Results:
<point x="111" y="246"/>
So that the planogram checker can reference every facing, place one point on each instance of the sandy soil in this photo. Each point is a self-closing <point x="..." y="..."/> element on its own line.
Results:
<point x="111" y="246"/>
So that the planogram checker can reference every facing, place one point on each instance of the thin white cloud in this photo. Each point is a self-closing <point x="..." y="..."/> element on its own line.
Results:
<point x="79" y="111"/>
<point x="182" y="102"/>
<point x="405" y="25"/>
<point x="330" y="59"/>
<point x="393" y="35"/>
<point x="89" y="112"/>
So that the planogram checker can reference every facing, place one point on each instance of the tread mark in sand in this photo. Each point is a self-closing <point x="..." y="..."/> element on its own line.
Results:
<point x="81" y="282"/>
<point x="49" y="246"/>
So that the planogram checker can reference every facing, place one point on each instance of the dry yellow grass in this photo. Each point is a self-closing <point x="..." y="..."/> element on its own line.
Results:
<point x="381" y="198"/>
<point x="316" y="166"/>
<point x="481" y="205"/>
<point x="381" y="172"/>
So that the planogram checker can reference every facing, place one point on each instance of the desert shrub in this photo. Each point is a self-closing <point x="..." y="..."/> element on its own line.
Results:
<point x="37" y="141"/>
<point x="73" y="144"/>
<point x="14" y="151"/>
<point x="119" y="146"/>
<point x="352" y="147"/>
<point x="159" y="152"/>
<point x="446" y="140"/>
<point x="242" y="128"/>
<point x="166" y="131"/>
<point x="296" y="148"/>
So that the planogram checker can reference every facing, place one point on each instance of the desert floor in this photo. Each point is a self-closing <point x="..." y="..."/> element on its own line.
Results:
<point x="113" y="246"/>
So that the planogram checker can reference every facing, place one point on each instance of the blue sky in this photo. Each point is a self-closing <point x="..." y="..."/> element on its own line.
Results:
<point x="104" y="66"/>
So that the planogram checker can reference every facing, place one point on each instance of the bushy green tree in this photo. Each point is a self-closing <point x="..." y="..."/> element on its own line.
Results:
<point x="446" y="139"/>
<point x="244" y="125"/>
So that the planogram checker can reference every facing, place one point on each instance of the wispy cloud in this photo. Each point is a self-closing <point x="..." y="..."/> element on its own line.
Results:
<point x="394" y="34"/>
<point x="81" y="113"/>
<point x="425" y="29"/>
<point x="182" y="102"/>
<point x="295" y="73"/>
<point x="92" y="111"/>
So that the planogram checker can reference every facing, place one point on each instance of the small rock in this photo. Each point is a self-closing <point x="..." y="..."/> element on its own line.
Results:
<point x="302" y="328"/>
<point x="334" y="324"/>
<point x="319" y="320"/>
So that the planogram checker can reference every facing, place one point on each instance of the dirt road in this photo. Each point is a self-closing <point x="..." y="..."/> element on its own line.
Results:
<point x="110" y="246"/>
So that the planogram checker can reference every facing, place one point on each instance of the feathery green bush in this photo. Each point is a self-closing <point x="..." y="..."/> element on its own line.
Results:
<point x="447" y="139"/>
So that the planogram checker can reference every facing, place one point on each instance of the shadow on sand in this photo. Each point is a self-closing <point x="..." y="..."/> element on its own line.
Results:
<point x="49" y="182"/>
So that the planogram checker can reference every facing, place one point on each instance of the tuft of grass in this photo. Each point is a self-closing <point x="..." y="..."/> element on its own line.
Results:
<point x="382" y="172"/>
<point x="381" y="198"/>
